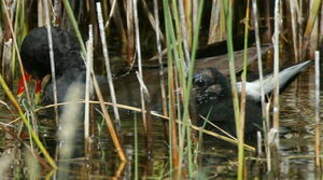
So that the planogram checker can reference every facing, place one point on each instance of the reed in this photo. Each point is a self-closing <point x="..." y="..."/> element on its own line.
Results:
<point x="74" y="23"/>
<point x="317" y="111"/>
<point x="107" y="65"/>
<point x="26" y="123"/>
<point x="178" y="31"/>
<point x="241" y="156"/>
<point x="51" y="56"/>
<point x="88" y="88"/>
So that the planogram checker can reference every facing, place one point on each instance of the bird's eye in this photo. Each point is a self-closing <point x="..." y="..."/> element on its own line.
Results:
<point x="199" y="80"/>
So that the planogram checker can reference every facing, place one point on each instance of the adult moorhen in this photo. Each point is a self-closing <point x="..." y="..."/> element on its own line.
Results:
<point x="35" y="55"/>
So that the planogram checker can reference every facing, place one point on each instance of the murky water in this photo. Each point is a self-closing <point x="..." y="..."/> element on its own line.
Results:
<point x="216" y="160"/>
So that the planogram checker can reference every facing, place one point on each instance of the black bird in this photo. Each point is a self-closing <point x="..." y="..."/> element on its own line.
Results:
<point x="214" y="99"/>
<point x="69" y="65"/>
<point x="35" y="52"/>
<point x="36" y="60"/>
<point x="211" y="87"/>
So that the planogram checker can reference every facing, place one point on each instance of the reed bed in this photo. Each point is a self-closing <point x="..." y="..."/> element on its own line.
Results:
<point x="173" y="30"/>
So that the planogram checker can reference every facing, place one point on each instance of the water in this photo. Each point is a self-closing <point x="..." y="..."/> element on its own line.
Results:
<point x="215" y="160"/>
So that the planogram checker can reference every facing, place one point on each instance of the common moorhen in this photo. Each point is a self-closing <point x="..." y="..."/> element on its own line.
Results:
<point x="35" y="55"/>
<point x="69" y="63"/>
<point x="214" y="98"/>
<point x="211" y="87"/>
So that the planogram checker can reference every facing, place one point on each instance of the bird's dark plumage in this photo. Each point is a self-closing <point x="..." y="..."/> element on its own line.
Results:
<point x="35" y="52"/>
<point x="214" y="102"/>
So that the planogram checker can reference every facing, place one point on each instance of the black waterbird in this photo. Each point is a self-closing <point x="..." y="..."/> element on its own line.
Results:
<point x="212" y="90"/>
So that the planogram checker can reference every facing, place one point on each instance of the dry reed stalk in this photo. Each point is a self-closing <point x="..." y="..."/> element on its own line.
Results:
<point x="121" y="106"/>
<point x="259" y="144"/>
<point x="216" y="135"/>
<point x="119" y="173"/>
<point x="188" y="9"/>
<point x="276" y="64"/>
<point x="259" y="56"/>
<point x="107" y="65"/>
<point x="268" y="19"/>
<point x="40" y="15"/>
<point x="317" y="111"/>
<point x="313" y="13"/>
<point x="88" y="86"/>
<point x="273" y="136"/>
<point x="266" y="125"/>
<point x="51" y="56"/>
<point x="173" y="138"/>
<point x="160" y="61"/>
<point x="292" y="6"/>
<point x="300" y="22"/>
<point x="6" y="59"/>
<point x="219" y="128"/>
<point x="7" y="47"/>
<point x="217" y="27"/>
<point x="130" y="43"/>
<point x="112" y="10"/>
<point x="57" y="12"/>
<point x="147" y="113"/>
<point x="184" y="33"/>
<point x="139" y="59"/>
<point x="241" y="158"/>
<point x="113" y="133"/>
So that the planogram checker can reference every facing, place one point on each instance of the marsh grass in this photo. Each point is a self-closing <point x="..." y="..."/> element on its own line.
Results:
<point x="179" y="28"/>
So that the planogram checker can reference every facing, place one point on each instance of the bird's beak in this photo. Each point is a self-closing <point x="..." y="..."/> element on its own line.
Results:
<point x="21" y="85"/>
<point x="22" y="88"/>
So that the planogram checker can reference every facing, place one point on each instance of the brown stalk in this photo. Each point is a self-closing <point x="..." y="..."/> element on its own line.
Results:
<point x="130" y="43"/>
<point x="172" y="123"/>
<point x="107" y="65"/>
<point x="161" y="65"/>
<point x="110" y="125"/>
<point x="292" y="7"/>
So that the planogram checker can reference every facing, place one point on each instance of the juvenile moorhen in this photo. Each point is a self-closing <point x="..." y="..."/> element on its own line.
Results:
<point x="211" y="87"/>
<point x="214" y="99"/>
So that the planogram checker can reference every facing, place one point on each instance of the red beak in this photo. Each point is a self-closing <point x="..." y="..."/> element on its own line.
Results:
<point x="21" y="84"/>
